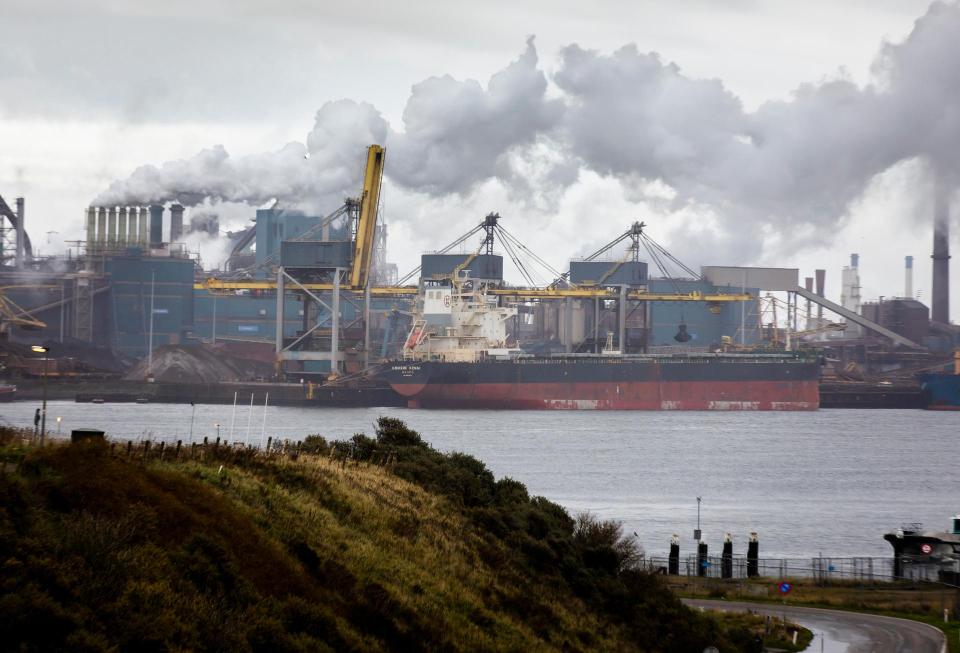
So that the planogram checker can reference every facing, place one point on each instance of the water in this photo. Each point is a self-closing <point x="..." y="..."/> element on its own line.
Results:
<point x="831" y="481"/>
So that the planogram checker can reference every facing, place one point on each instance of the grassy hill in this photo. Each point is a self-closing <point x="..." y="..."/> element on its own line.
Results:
<point x="373" y="544"/>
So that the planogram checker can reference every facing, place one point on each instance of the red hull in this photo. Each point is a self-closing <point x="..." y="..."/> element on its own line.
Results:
<point x="654" y="395"/>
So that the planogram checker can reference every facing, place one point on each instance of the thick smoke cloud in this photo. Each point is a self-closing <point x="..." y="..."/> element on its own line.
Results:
<point x="458" y="134"/>
<point x="795" y="164"/>
<point x="791" y="163"/>
<point x="318" y="173"/>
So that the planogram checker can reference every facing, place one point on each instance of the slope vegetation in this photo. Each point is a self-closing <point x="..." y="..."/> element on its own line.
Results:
<point x="373" y="544"/>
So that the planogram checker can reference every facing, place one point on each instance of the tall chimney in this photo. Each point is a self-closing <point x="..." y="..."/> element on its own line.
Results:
<point x="908" y="277"/>
<point x="176" y="222"/>
<point x="940" y="300"/>
<point x="144" y="232"/>
<point x="21" y="238"/>
<point x="112" y="227"/>
<point x="101" y="227"/>
<point x="156" y="225"/>
<point x="133" y="239"/>
<point x="854" y="261"/>
<point x="91" y="229"/>
<point x="122" y="227"/>
<point x="821" y="276"/>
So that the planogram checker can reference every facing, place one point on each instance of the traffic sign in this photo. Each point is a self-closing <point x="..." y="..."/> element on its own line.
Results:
<point x="785" y="588"/>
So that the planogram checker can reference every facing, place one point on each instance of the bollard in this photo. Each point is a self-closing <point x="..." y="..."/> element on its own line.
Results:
<point x="726" y="560"/>
<point x="702" y="562"/>
<point x="673" y="562"/>
<point x="753" y="556"/>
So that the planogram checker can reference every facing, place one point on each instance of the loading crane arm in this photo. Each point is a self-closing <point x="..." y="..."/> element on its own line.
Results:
<point x="367" y="220"/>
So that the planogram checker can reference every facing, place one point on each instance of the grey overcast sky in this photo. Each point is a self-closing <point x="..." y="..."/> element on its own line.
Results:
<point x="776" y="133"/>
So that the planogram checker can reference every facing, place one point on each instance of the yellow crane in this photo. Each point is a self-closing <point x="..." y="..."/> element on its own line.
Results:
<point x="367" y="220"/>
<point x="13" y="315"/>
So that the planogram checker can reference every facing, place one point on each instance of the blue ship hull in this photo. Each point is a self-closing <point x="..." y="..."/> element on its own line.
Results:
<point x="941" y="391"/>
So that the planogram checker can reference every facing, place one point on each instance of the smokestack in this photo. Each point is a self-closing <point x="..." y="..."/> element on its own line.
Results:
<point x="112" y="227"/>
<point x="101" y="227"/>
<point x="176" y="222"/>
<point x="144" y="234"/>
<point x="908" y="277"/>
<point x="940" y="299"/>
<point x="821" y="276"/>
<point x="91" y="229"/>
<point x="21" y="238"/>
<point x="133" y="239"/>
<point x="156" y="225"/>
<point x="854" y="261"/>
<point x="122" y="227"/>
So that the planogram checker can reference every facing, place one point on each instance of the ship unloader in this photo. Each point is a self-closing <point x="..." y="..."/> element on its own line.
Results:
<point x="457" y="356"/>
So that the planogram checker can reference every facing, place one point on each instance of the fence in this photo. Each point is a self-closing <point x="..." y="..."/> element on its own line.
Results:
<point x="821" y="569"/>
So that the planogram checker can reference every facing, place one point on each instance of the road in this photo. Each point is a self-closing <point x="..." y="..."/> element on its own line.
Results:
<point x="846" y="632"/>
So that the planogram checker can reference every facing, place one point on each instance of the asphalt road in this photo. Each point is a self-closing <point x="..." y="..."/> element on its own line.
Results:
<point x="846" y="632"/>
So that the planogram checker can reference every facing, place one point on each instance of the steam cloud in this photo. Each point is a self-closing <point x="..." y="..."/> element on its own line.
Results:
<point x="628" y="115"/>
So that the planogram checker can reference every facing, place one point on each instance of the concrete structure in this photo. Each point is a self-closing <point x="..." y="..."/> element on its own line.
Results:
<point x="850" y="294"/>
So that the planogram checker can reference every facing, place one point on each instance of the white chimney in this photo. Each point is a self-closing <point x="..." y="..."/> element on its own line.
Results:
<point x="908" y="278"/>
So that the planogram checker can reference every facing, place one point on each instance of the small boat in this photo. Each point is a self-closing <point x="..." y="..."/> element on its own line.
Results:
<point x="7" y="392"/>
<point x="97" y="400"/>
<point x="926" y="555"/>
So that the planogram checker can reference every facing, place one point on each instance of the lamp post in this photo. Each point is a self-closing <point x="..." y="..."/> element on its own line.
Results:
<point x="697" y="533"/>
<point x="40" y="349"/>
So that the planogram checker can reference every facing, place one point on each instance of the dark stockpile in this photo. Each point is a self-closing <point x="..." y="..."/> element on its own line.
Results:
<point x="198" y="364"/>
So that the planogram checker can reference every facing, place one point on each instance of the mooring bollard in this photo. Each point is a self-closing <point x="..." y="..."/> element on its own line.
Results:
<point x="753" y="556"/>
<point x="673" y="562"/>
<point x="702" y="562"/>
<point x="726" y="560"/>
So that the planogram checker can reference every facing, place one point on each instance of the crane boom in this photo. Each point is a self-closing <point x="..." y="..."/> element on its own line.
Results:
<point x="367" y="220"/>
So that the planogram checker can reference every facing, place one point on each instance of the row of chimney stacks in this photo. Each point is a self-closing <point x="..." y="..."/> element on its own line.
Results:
<point x="113" y="228"/>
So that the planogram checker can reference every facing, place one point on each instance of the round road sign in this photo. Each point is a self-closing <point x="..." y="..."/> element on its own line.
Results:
<point x="785" y="588"/>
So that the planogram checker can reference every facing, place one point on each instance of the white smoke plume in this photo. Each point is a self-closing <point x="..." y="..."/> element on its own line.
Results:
<point x="798" y="163"/>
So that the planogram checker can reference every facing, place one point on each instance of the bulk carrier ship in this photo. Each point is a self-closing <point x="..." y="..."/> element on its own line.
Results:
<point x="457" y="356"/>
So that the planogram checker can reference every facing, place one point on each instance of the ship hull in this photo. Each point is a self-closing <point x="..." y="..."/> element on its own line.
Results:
<point x="605" y="385"/>
<point x="941" y="391"/>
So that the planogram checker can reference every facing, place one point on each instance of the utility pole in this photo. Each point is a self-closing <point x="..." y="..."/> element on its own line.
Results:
<point x="153" y="278"/>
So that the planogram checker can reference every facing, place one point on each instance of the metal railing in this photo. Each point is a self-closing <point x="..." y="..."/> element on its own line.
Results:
<point x="822" y="569"/>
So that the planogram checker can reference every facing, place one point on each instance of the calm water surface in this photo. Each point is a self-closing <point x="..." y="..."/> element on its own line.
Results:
<point x="831" y="481"/>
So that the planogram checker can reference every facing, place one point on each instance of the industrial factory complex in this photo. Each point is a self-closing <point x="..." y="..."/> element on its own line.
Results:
<point x="313" y="301"/>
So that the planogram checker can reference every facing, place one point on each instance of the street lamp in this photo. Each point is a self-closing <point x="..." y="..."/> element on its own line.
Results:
<point x="40" y="349"/>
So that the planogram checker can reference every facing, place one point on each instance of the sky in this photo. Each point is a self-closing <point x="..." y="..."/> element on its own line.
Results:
<point x="758" y="133"/>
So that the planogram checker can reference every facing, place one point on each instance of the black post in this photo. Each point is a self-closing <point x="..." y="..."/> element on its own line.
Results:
<point x="673" y="562"/>
<point x="753" y="556"/>
<point x="43" y="415"/>
<point x="701" y="558"/>
<point x="726" y="562"/>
